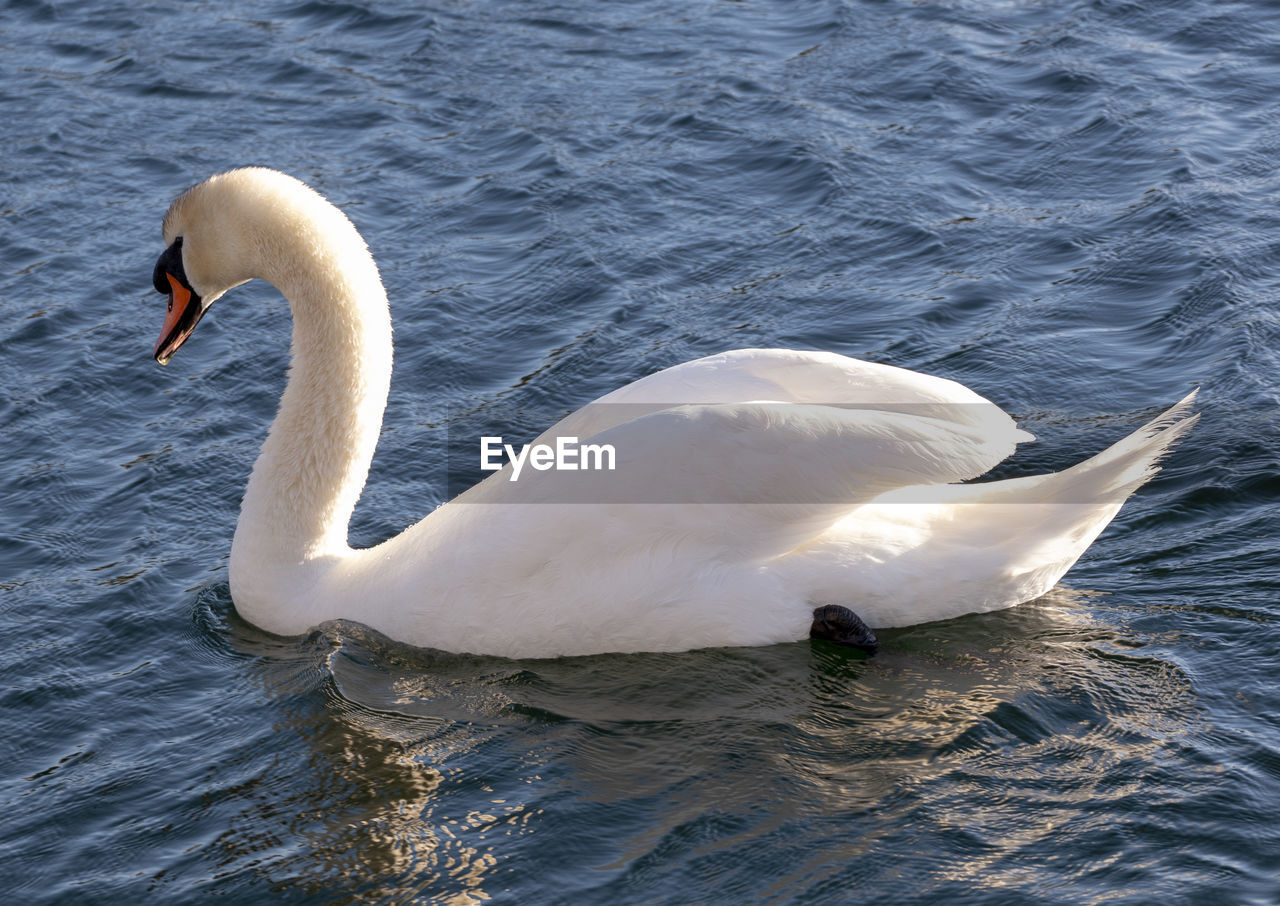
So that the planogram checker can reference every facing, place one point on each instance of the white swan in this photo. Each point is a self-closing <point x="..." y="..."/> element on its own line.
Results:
<point x="749" y="487"/>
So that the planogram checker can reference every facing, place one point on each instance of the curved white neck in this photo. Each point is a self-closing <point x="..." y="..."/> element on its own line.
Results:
<point x="314" y="462"/>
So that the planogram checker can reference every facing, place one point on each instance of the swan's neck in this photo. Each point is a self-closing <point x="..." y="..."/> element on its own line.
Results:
<point x="316" y="457"/>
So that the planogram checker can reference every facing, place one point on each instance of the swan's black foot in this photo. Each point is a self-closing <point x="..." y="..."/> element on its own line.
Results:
<point x="842" y="626"/>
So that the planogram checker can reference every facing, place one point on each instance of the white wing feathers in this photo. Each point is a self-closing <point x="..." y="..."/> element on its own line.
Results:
<point x="764" y="452"/>
<point x="790" y="376"/>
<point x="769" y="472"/>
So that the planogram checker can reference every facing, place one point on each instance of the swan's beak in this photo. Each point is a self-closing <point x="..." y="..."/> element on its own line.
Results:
<point x="185" y="308"/>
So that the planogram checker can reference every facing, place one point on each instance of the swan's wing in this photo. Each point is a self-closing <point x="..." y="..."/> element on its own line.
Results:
<point x="767" y="475"/>
<point x="795" y="376"/>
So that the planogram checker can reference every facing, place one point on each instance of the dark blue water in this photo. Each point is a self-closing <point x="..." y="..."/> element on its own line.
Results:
<point x="1070" y="207"/>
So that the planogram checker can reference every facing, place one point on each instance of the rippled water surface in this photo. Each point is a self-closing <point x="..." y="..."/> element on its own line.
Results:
<point x="1070" y="207"/>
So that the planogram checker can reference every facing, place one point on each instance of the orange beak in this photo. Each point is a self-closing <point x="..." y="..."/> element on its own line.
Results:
<point x="179" y="299"/>
<point x="181" y="318"/>
<point x="185" y="306"/>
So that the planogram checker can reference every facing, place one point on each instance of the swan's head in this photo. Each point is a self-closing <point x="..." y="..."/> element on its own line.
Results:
<point x="232" y="227"/>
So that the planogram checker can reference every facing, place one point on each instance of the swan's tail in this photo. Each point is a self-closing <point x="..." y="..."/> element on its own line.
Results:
<point x="1105" y="479"/>
<point x="1119" y="470"/>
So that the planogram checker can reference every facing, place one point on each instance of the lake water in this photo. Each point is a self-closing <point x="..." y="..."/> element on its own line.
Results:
<point x="1071" y="207"/>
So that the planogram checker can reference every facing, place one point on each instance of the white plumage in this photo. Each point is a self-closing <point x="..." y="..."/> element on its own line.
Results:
<point x="749" y="486"/>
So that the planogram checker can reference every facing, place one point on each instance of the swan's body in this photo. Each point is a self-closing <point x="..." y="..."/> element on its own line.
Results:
<point x="806" y="478"/>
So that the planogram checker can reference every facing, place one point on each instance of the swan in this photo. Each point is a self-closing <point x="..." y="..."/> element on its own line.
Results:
<point x="758" y="496"/>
